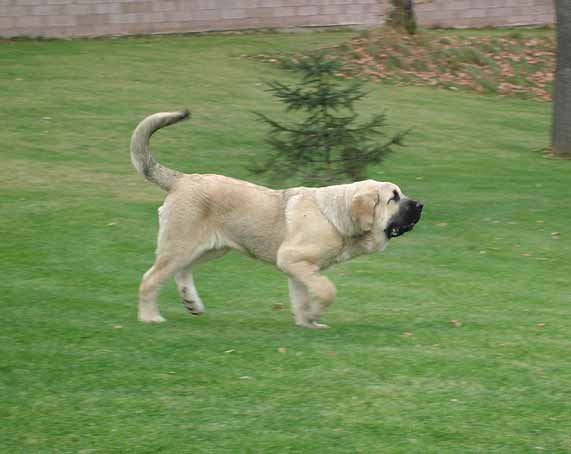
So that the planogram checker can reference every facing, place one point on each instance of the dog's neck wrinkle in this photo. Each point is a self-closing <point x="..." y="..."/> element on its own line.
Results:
<point x="335" y="205"/>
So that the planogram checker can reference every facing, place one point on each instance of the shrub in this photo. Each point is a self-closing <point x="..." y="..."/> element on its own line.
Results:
<point x="328" y="145"/>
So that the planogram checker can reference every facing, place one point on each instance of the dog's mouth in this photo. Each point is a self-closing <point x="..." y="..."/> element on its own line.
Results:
<point x="398" y="230"/>
<point x="405" y="220"/>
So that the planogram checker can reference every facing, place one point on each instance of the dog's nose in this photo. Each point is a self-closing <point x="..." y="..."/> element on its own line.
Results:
<point x="419" y="206"/>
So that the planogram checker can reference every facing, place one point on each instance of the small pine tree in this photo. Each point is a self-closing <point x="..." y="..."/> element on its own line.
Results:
<point x="327" y="146"/>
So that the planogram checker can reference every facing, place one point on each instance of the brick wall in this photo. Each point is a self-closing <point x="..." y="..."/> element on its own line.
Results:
<point x="482" y="13"/>
<point x="75" y="18"/>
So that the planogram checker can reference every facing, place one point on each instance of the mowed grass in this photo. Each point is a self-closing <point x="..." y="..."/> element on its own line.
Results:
<point x="392" y="375"/>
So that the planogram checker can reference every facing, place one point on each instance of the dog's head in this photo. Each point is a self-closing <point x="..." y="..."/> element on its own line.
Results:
<point x="381" y="208"/>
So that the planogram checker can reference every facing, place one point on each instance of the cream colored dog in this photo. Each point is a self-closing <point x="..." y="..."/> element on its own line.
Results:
<point x="300" y="230"/>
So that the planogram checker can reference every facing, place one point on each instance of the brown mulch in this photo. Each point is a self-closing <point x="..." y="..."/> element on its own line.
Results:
<point x="513" y="63"/>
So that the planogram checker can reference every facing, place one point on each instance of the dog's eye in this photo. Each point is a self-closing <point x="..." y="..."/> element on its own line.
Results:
<point x="395" y="197"/>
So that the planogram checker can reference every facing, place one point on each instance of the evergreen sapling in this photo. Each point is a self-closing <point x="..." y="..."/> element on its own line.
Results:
<point x="328" y="146"/>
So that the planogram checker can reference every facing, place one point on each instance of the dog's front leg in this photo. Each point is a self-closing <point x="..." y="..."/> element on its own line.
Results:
<point x="305" y="284"/>
<point x="300" y="302"/>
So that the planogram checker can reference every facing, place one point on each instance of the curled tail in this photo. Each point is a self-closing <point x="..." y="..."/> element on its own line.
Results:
<point x="141" y="155"/>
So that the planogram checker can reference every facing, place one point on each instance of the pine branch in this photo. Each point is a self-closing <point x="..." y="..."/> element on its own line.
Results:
<point x="327" y="145"/>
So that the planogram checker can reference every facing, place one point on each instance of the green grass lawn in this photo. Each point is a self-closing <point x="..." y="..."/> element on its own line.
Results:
<point x="79" y="374"/>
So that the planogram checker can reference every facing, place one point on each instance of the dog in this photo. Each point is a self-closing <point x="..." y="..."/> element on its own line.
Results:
<point x="300" y="230"/>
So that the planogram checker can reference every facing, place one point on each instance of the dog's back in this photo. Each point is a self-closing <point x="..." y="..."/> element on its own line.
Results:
<point x="239" y="215"/>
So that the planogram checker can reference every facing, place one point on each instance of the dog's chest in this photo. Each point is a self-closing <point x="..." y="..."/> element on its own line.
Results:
<point x="350" y="250"/>
<point x="354" y="247"/>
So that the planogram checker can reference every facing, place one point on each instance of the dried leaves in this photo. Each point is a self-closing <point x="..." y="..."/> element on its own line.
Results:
<point x="485" y="64"/>
<point x="509" y="65"/>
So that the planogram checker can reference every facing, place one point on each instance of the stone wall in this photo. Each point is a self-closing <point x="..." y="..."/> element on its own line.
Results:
<point x="76" y="18"/>
<point x="482" y="13"/>
<point x="84" y="18"/>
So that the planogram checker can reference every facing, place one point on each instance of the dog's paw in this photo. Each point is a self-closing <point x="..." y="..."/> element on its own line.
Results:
<point x="313" y="325"/>
<point x="316" y="325"/>
<point x="151" y="319"/>
<point x="194" y="307"/>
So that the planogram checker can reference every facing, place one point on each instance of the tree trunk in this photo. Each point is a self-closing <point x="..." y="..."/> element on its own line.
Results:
<point x="561" y="125"/>
<point x="402" y="15"/>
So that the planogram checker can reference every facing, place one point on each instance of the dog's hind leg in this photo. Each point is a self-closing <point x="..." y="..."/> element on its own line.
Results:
<point x="181" y="243"/>
<point x="163" y="268"/>
<point x="185" y="282"/>
<point x="188" y="292"/>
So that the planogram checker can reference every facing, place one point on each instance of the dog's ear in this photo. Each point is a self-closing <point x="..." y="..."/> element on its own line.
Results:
<point x="363" y="209"/>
